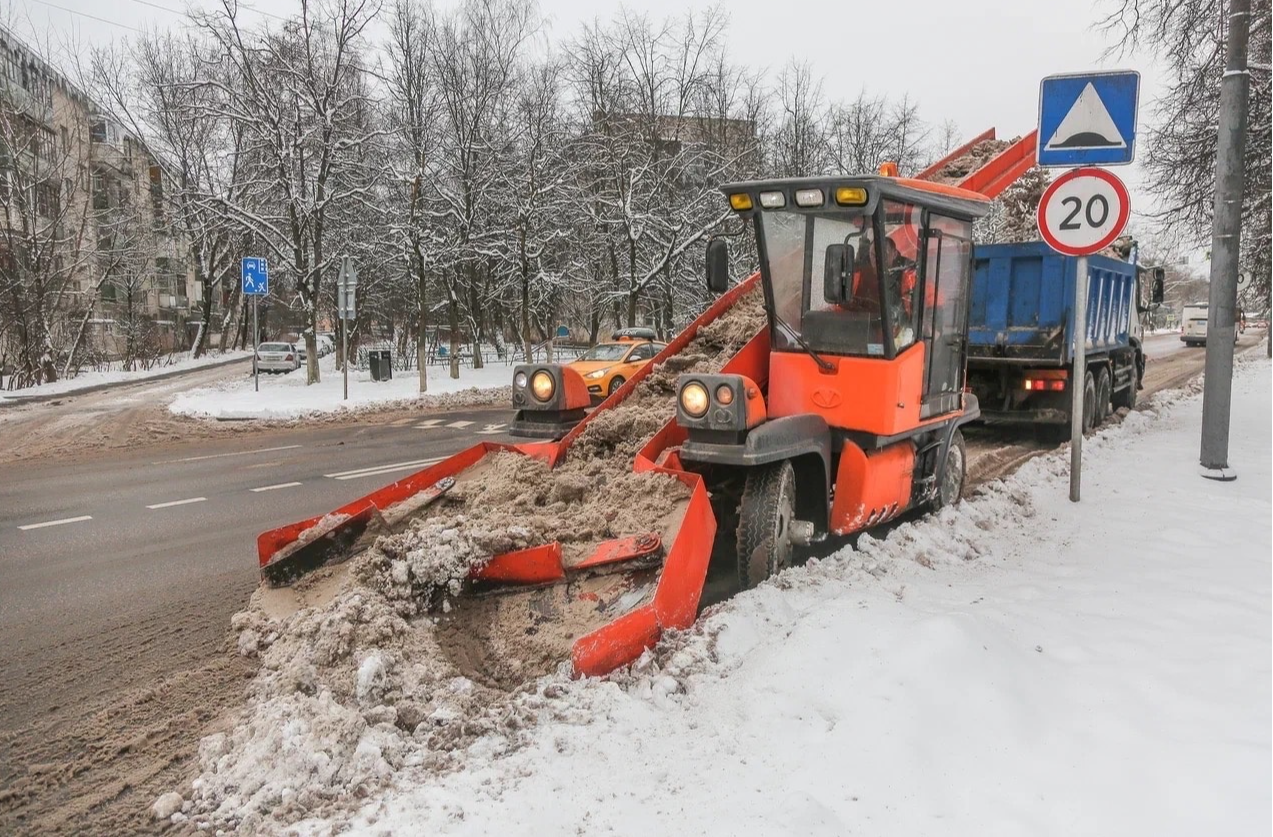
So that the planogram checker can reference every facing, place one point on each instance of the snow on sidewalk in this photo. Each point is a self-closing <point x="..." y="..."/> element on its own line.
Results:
<point x="86" y="380"/>
<point x="287" y="396"/>
<point x="1019" y="665"/>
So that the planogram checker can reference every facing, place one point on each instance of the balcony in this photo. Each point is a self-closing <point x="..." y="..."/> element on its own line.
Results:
<point x="25" y="102"/>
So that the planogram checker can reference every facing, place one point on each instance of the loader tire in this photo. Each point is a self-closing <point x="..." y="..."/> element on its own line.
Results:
<point x="951" y="488"/>
<point x="764" y="526"/>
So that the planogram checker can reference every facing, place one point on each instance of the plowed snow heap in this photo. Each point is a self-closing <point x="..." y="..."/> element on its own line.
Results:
<point x="364" y="667"/>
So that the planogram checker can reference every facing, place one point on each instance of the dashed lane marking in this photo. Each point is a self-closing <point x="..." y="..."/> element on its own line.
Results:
<point x="460" y="425"/>
<point x="273" y="487"/>
<point x="429" y="424"/>
<point x="220" y="455"/>
<point x="172" y="503"/>
<point x="376" y="470"/>
<point x="64" y="520"/>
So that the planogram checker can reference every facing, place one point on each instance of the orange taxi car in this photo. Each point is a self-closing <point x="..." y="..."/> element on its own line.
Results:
<point x="606" y="366"/>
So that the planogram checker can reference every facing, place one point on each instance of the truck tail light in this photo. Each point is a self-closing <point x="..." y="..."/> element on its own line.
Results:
<point x="1045" y="384"/>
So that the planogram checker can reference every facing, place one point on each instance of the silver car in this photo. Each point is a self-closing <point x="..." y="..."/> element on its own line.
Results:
<point x="277" y="357"/>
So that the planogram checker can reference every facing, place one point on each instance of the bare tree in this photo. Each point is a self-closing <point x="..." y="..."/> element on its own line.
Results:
<point x="296" y="96"/>
<point x="1189" y="36"/>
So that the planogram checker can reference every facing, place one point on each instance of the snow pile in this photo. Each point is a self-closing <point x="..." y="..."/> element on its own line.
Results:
<point x="623" y="430"/>
<point x="287" y="396"/>
<point x="1018" y="665"/>
<point x="113" y="374"/>
<point x="954" y="172"/>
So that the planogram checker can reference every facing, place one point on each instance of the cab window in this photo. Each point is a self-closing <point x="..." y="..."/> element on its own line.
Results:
<point x="645" y="351"/>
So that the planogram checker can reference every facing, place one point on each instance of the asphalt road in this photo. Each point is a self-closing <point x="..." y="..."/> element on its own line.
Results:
<point x="121" y="571"/>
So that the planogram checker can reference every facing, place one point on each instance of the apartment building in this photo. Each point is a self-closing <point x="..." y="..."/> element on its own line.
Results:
<point x="85" y="239"/>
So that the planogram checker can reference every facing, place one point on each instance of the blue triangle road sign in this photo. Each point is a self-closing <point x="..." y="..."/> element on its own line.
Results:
<point x="1088" y="119"/>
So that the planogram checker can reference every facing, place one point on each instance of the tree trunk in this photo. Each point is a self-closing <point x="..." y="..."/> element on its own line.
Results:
<point x="453" y="316"/>
<point x="422" y="334"/>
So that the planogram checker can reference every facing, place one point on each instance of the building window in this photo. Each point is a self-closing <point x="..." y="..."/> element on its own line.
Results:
<point x="97" y="133"/>
<point x="66" y="140"/>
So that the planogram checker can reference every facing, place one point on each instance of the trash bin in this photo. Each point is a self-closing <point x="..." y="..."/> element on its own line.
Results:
<point x="381" y="363"/>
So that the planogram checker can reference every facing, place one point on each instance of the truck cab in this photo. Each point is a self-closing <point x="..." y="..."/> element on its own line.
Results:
<point x="866" y="283"/>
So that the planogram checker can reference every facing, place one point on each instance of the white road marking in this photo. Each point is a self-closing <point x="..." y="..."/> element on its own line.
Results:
<point x="401" y="422"/>
<point x="185" y="502"/>
<point x="377" y="470"/>
<point x="460" y="425"/>
<point x="429" y="424"/>
<point x="56" y="522"/>
<point x="272" y="487"/>
<point x="494" y="428"/>
<point x="219" y="455"/>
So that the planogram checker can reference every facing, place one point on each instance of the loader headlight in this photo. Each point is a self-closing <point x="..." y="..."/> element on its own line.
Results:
<point x="519" y="380"/>
<point x="542" y="386"/>
<point x="725" y="394"/>
<point x="694" y="400"/>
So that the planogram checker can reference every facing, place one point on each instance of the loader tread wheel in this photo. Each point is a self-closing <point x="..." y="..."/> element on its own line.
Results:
<point x="764" y="526"/>
<point x="1102" y="397"/>
<point x="951" y="488"/>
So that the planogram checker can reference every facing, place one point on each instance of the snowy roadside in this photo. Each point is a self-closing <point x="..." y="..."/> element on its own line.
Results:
<point x="1019" y="665"/>
<point x="284" y="397"/>
<point x="96" y="379"/>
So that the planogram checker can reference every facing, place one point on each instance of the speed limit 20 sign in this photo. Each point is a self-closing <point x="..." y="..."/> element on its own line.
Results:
<point x="1083" y="211"/>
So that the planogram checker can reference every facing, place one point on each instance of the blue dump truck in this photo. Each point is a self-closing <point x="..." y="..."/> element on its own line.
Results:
<point x="1021" y="335"/>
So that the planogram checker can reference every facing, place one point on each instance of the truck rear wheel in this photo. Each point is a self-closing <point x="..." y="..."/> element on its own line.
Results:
<point x="764" y="527"/>
<point x="1125" y="397"/>
<point x="1102" y="396"/>
<point x="1089" y="401"/>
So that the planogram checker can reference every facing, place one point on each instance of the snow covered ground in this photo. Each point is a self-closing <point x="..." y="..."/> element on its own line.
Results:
<point x="287" y="396"/>
<point x="1019" y="665"/>
<point x="115" y="375"/>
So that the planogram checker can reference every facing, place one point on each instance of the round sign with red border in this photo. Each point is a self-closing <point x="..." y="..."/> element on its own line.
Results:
<point x="1083" y="211"/>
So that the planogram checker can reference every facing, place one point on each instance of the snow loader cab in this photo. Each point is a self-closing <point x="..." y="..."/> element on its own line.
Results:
<point x="866" y="284"/>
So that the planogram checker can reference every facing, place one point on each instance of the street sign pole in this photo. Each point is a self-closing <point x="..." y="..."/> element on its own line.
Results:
<point x="256" y="347"/>
<point x="254" y="279"/>
<point x="344" y="350"/>
<point x="1081" y="212"/>
<point x="1078" y="378"/>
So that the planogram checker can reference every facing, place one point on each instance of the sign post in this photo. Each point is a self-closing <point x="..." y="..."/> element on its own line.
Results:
<point x="1085" y="119"/>
<point x="346" y="286"/>
<point x="255" y="279"/>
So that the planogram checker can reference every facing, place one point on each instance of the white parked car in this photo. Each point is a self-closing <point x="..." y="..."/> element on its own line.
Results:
<point x="325" y="345"/>
<point x="278" y="357"/>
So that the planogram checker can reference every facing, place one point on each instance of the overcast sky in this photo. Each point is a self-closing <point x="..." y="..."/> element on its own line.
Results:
<point x="977" y="62"/>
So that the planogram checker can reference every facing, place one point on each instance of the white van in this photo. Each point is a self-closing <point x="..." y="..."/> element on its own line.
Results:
<point x="1193" y="325"/>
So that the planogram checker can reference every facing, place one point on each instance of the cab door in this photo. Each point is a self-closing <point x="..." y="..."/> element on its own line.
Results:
<point x="947" y="272"/>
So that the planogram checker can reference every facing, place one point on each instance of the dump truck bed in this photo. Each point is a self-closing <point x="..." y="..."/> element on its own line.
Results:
<point x="1022" y="304"/>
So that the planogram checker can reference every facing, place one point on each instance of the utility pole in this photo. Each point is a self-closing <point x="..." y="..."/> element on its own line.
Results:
<point x="1226" y="230"/>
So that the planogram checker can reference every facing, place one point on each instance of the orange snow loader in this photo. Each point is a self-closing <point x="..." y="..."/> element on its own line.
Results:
<point x="842" y="413"/>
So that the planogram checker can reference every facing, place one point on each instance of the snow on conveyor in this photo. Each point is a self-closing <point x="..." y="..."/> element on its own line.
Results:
<point x="1020" y="665"/>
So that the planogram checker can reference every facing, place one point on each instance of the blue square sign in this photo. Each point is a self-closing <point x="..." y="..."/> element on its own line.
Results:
<point x="1088" y="119"/>
<point x="256" y="277"/>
